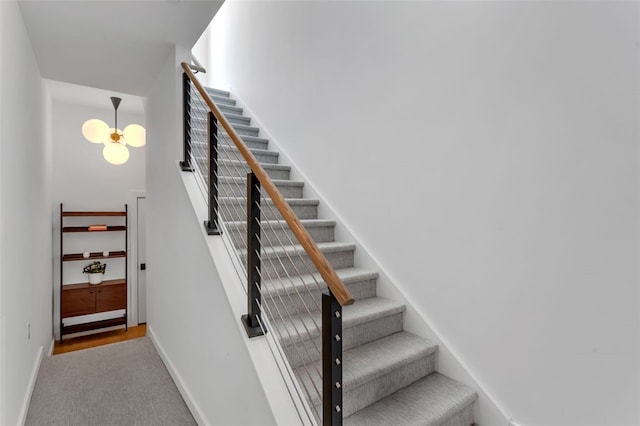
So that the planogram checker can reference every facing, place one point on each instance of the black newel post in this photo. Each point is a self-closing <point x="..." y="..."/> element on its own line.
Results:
<point x="250" y="321"/>
<point x="212" y="224"/>
<point x="186" y="123"/>
<point x="331" y="361"/>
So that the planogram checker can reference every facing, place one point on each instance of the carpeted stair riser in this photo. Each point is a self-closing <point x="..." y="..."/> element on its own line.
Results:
<point x="237" y="187"/>
<point x="233" y="209"/>
<point x="273" y="233"/>
<point x="299" y="299"/>
<point x="305" y="350"/>
<point x="281" y="265"/>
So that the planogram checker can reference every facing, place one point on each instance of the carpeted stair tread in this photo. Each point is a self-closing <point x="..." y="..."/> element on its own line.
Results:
<point x="222" y="100"/>
<point x="218" y="92"/>
<point x="238" y="164"/>
<point x="294" y="250"/>
<point x="290" y="201"/>
<point x="433" y="400"/>
<point x="242" y="181"/>
<point x="255" y="151"/>
<point x="365" y="363"/>
<point x="299" y="283"/>
<point x="202" y="121"/>
<point x="230" y="108"/>
<point x="267" y="224"/>
<point x="353" y="315"/>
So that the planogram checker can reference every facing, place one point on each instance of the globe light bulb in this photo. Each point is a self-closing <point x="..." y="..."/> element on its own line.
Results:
<point x="115" y="153"/>
<point x="135" y="135"/>
<point x="96" y="131"/>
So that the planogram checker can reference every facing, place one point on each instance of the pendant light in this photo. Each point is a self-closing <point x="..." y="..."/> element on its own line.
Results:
<point x="115" y="141"/>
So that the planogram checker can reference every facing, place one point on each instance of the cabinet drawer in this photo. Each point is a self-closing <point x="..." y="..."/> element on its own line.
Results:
<point x="110" y="298"/>
<point x="76" y="302"/>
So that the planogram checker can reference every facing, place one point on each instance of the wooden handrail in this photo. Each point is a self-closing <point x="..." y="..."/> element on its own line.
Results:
<point x="339" y="290"/>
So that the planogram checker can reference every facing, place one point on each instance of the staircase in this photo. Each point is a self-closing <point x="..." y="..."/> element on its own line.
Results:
<point x="389" y="374"/>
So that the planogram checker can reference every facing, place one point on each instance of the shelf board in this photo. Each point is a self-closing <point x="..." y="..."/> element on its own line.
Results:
<point x="89" y="214"/>
<point x="105" y="283"/>
<point x="93" y="255"/>
<point x="86" y="229"/>
<point x="77" y="328"/>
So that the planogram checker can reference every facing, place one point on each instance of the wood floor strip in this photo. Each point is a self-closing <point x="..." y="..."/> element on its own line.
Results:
<point x="99" y="339"/>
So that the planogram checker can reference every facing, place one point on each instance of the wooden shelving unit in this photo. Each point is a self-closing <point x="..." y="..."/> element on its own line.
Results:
<point x="78" y="299"/>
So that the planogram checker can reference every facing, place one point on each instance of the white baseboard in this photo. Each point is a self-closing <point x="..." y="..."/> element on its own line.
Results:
<point x="182" y="388"/>
<point x="32" y="384"/>
<point x="51" y="346"/>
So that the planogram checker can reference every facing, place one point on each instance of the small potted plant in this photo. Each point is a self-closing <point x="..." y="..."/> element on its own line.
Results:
<point x="96" y="271"/>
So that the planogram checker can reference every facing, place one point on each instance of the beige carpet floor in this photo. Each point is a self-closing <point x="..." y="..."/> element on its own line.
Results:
<point x="119" y="384"/>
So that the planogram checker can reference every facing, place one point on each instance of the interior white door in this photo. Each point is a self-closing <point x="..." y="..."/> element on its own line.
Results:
<point x="142" y="261"/>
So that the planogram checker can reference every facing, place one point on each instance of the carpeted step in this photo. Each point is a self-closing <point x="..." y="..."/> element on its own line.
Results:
<point x="218" y="92"/>
<point x="238" y="119"/>
<point x="278" y="233"/>
<point x="252" y="142"/>
<point x="373" y="371"/>
<point x="293" y="260"/>
<point x="201" y="120"/>
<point x="199" y="131"/>
<point x="221" y="100"/>
<point x="304" y="292"/>
<point x="365" y="321"/>
<point x="244" y="130"/>
<point x="200" y="149"/>
<point x="235" y="208"/>
<point x="435" y="400"/>
<point x="230" y="109"/>
<point x="233" y="168"/>
<point x="262" y="155"/>
<point x="237" y="187"/>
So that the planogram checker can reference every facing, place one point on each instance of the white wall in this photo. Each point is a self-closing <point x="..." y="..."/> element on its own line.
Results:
<point x="83" y="180"/>
<point x="25" y="226"/>
<point x="188" y="312"/>
<point x="486" y="153"/>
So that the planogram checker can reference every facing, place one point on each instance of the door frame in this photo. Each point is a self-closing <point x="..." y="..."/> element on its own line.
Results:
<point x="132" y="279"/>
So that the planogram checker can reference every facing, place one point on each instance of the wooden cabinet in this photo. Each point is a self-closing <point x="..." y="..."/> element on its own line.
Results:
<point x="80" y="299"/>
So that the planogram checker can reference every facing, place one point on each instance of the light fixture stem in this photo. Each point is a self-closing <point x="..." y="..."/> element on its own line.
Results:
<point x="116" y="102"/>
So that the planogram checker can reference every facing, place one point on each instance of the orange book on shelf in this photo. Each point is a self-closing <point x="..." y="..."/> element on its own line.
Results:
<point x="97" y="227"/>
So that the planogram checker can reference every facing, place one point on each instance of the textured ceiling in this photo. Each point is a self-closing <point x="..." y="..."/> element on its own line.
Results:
<point x="111" y="45"/>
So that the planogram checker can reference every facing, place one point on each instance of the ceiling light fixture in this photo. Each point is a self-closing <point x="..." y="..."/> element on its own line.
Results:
<point x="115" y="141"/>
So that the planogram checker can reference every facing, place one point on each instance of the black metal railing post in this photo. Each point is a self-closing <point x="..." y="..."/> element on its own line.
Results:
<point x="185" y="164"/>
<point x="250" y="321"/>
<point x="331" y="361"/>
<point x="212" y="225"/>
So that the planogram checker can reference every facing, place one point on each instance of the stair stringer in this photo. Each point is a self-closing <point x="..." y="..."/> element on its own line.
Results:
<point x="271" y="369"/>
<point x="487" y="409"/>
